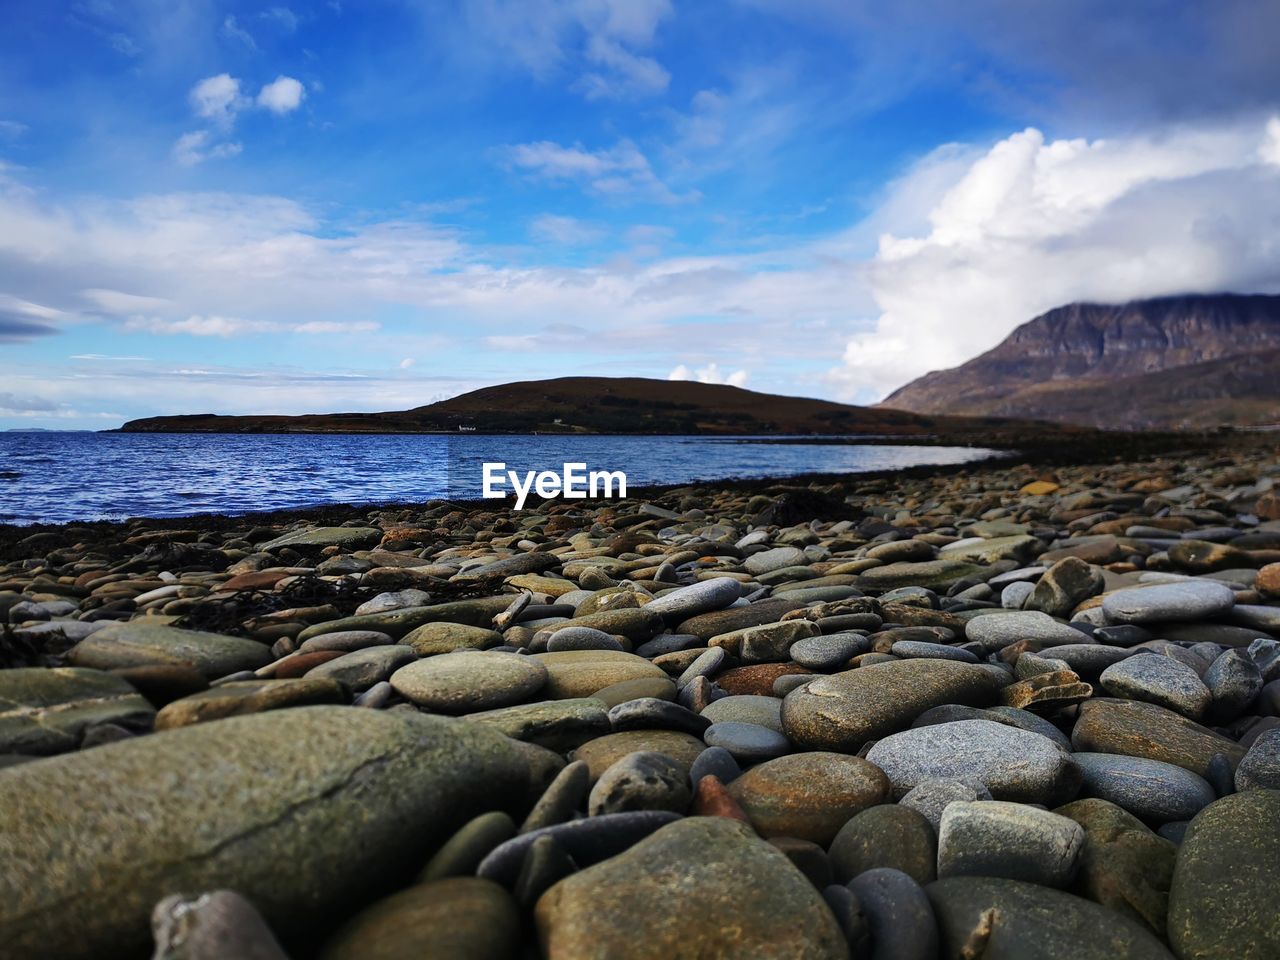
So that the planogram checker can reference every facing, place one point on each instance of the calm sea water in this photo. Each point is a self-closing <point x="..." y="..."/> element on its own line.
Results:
<point x="58" y="477"/>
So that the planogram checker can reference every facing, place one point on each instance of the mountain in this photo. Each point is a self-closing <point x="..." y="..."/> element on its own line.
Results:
<point x="1191" y="362"/>
<point x="593" y="405"/>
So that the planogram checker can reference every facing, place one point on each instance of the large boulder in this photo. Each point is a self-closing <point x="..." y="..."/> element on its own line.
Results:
<point x="306" y="812"/>
<point x="137" y="644"/>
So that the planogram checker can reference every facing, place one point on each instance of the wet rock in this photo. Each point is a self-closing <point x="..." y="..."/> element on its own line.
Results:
<point x="47" y="710"/>
<point x="138" y="645"/>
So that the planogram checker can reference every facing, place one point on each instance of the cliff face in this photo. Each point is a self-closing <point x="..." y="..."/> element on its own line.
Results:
<point x="1189" y="362"/>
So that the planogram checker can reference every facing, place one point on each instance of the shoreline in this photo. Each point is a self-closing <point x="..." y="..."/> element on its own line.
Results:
<point x="1097" y="448"/>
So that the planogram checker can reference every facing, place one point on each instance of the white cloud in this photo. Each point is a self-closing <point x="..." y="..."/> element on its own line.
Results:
<point x="709" y="374"/>
<point x="567" y="231"/>
<point x="199" y="145"/>
<point x="12" y="129"/>
<point x="621" y="74"/>
<point x="281" y="95"/>
<point x="217" y="99"/>
<point x="282" y="17"/>
<point x="621" y="171"/>
<point x="407" y="362"/>
<point x="1270" y="149"/>
<point x="216" y="326"/>
<point x="233" y="30"/>
<point x="1033" y="224"/>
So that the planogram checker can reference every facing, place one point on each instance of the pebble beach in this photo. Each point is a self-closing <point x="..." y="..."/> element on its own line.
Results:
<point x="998" y="711"/>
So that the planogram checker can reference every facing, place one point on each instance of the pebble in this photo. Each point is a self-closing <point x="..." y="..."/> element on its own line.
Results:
<point x="1015" y="841"/>
<point x="643" y="780"/>
<point x="1011" y="763"/>
<point x="931" y="797"/>
<point x="1185" y="600"/>
<point x="763" y="908"/>
<point x="1222" y="902"/>
<point x="746" y="708"/>
<point x="994" y="631"/>
<point x="808" y="795"/>
<point x="748" y="742"/>
<point x="1159" y="680"/>
<point x="469" y="682"/>
<point x="886" y="835"/>
<point x="898" y="914"/>
<point x="1152" y="790"/>
<point x="828" y="651"/>
<point x="1260" y="768"/>
<point x="1136" y="729"/>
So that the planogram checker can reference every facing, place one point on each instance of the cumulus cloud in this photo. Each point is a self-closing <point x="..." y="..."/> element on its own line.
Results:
<point x="200" y="145"/>
<point x="1032" y="224"/>
<point x="217" y="99"/>
<point x="709" y="374"/>
<point x="281" y="95"/>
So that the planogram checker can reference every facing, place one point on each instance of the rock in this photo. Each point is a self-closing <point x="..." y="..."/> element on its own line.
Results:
<point x="361" y="669"/>
<point x="477" y="612"/>
<point x="898" y="914"/>
<point x="1150" y="789"/>
<point x="1123" y="865"/>
<point x="511" y="566"/>
<point x="315" y="539"/>
<point x="930" y="798"/>
<point x="1180" y="601"/>
<point x="714" y="762"/>
<point x="1064" y="586"/>
<point x="463" y="852"/>
<point x="994" y="631"/>
<point x="771" y="642"/>
<point x="1201" y="556"/>
<point x="758" y="678"/>
<point x="459" y="918"/>
<point x="775" y="559"/>
<point x="558" y="725"/>
<point x="1234" y="682"/>
<point x="1045" y="693"/>
<point x="603" y="752"/>
<point x="747" y="742"/>
<point x="829" y="652"/>
<point x="991" y="838"/>
<point x="431" y="639"/>
<point x="641" y="781"/>
<point x="843" y="711"/>
<point x="588" y="841"/>
<point x="236" y="803"/>
<point x="1159" y="680"/>
<point x="396" y="600"/>
<point x="703" y="597"/>
<point x="763" y="907"/>
<point x="808" y="795"/>
<point x="470" y="682"/>
<point x="138" y="645"/>
<point x="212" y="926"/>
<point x="1260" y="768"/>
<point x="1014" y="595"/>
<point x="1019" y="547"/>
<point x="1013" y="764"/>
<point x="249" y="696"/>
<point x="1137" y="729"/>
<point x="1222" y="902"/>
<point x="887" y="835"/>
<point x="47" y="710"/>
<point x="649" y="713"/>
<point x="581" y="638"/>
<point x="580" y="673"/>
<point x="930" y="573"/>
<point x="562" y="798"/>
<point x="707" y="625"/>
<point x="746" y="708"/>
<point x="998" y="919"/>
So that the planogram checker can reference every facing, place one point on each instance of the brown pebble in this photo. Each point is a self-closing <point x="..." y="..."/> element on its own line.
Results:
<point x="712" y="799"/>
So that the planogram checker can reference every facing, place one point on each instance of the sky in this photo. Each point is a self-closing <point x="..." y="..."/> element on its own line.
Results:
<point x="262" y="207"/>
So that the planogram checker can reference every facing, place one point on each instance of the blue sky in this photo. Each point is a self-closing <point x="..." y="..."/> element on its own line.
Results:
<point x="284" y="207"/>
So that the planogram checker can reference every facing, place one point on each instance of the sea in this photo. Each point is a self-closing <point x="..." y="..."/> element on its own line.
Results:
<point x="59" y="477"/>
